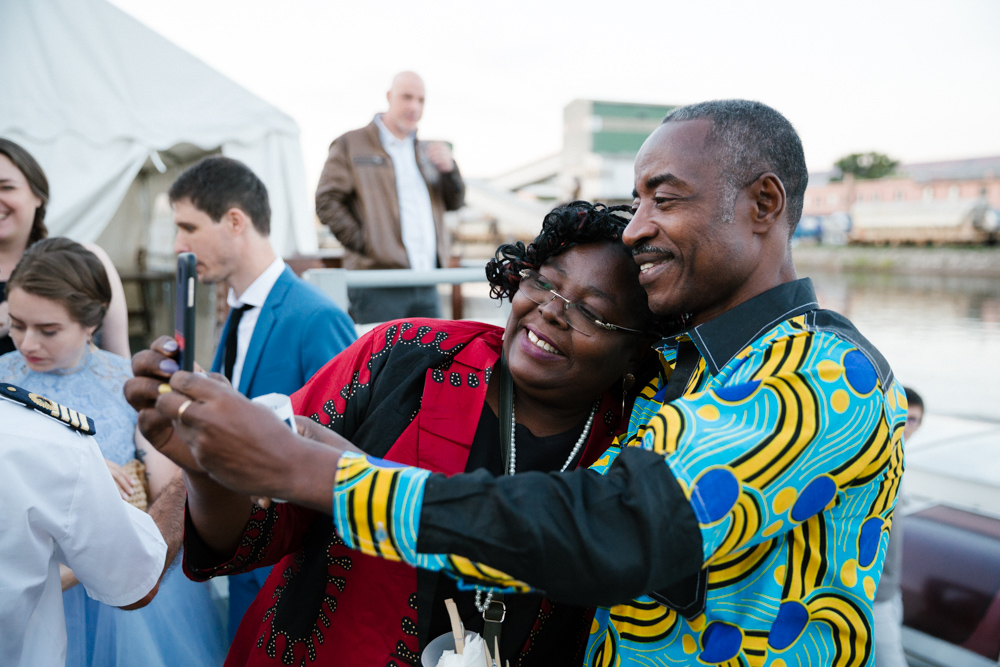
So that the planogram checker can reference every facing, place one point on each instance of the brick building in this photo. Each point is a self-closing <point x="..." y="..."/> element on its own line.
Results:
<point x="933" y="202"/>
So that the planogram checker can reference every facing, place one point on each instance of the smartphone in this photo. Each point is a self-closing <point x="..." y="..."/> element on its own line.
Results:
<point x="187" y="278"/>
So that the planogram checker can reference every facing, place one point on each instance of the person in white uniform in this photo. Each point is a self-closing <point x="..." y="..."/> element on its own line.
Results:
<point x="61" y="505"/>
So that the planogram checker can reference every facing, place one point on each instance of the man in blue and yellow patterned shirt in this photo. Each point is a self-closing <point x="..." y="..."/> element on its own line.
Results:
<point x="744" y="518"/>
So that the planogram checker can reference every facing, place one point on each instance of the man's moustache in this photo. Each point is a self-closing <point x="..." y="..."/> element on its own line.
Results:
<point x="651" y="250"/>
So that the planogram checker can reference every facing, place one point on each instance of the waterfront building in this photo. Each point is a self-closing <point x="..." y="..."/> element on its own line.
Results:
<point x="600" y="141"/>
<point x="955" y="201"/>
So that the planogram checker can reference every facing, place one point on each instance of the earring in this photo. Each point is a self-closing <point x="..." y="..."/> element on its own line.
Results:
<point x="627" y="381"/>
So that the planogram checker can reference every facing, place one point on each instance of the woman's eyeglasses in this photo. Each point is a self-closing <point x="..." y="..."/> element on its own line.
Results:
<point x="577" y="314"/>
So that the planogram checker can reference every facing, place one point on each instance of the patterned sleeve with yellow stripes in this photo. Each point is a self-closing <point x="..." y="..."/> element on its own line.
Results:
<point x="376" y="510"/>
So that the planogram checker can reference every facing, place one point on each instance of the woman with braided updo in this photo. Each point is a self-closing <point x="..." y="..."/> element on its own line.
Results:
<point x="545" y="394"/>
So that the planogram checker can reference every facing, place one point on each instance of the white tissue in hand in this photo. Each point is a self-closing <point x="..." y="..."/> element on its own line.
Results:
<point x="474" y="654"/>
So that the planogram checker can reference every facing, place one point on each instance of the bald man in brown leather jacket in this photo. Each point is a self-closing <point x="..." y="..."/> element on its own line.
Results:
<point x="384" y="194"/>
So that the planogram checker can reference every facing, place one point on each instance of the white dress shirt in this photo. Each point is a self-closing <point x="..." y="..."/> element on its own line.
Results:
<point x="60" y="505"/>
<point x="255" y="295"/>
<point x="416" y="217"/>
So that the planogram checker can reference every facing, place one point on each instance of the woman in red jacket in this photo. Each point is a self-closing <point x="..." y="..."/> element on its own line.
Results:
<point x="429" y="393"/>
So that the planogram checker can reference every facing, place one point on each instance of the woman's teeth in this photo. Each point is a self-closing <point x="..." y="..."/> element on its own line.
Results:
<point x="538" y="342"/>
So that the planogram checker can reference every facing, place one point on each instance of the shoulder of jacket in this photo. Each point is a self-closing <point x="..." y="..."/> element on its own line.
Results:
<point x="362" y="134"/>
<point x="67" y="416"/>
<point x="442" y="341"/>
<point x="832" y="324"/>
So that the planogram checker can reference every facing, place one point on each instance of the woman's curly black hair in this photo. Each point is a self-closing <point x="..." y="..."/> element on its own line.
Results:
<point x="563" y="228"/>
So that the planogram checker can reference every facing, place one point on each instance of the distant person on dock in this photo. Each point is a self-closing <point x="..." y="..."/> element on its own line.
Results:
<point x="888" y="608"/>
<point x="383" y="193"/>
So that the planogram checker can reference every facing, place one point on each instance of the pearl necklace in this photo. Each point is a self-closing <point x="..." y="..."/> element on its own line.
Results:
<point x="512" y="466"/>
<point x="483" y="606"/>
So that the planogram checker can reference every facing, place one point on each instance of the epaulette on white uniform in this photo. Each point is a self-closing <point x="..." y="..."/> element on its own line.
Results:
<point x="71" y="418"/>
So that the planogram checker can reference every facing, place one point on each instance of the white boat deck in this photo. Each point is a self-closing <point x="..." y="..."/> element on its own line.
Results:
<point x="956" y="461"/>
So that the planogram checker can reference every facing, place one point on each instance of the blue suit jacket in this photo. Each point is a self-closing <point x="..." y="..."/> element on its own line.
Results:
<point x="298" y="331"/>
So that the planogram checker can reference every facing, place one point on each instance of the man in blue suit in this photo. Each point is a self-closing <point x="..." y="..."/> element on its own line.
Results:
<point x="280" y="329"/>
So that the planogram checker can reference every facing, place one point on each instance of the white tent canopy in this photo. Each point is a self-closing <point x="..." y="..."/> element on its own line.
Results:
<point x="97" y="96"/>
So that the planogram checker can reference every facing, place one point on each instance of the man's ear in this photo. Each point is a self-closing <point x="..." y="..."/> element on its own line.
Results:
<point x="767" y="198"/>
<point x="237" y="220"/>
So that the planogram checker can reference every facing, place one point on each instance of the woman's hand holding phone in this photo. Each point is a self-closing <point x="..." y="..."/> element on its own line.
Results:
<point x="151" y="371"/>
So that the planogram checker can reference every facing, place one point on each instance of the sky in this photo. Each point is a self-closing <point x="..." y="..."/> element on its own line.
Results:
<point x="917" y="79"/>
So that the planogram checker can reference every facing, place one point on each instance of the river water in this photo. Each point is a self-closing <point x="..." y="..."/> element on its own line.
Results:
<point x="940" y="334"/>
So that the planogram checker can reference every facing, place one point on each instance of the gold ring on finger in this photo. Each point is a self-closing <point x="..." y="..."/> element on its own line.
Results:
<point x="180" y="410"/>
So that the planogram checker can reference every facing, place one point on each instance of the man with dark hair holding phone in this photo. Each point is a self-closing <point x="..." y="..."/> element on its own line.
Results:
<point x="280" y="329"/>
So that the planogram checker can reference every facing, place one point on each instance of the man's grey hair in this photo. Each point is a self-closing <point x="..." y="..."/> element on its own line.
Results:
<point x="752" y="139"/>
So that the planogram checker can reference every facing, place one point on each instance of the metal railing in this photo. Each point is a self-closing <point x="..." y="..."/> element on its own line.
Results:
<point x="335" y="282"/>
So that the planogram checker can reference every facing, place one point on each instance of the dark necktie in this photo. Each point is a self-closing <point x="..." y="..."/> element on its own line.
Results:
<point x="687" y="361"/>
<point x="234" y="327"/>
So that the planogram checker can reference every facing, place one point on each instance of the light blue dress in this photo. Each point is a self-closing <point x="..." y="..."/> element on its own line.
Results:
<point x="181" y="626"/>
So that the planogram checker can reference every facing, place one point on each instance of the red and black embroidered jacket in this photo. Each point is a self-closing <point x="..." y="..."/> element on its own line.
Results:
<point x="409" y="391"/>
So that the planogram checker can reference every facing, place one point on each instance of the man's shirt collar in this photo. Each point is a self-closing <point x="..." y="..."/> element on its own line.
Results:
<point x="256" y="294"/>
<point x="388" y="138"/>
<point x="723" y="337"/>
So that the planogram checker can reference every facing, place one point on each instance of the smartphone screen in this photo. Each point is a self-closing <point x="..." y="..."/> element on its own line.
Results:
<point x="187" y="277"/>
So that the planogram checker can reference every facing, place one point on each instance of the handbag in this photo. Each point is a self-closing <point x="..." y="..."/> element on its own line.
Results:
<point x="136" y="471"/>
